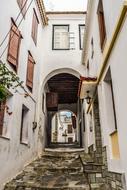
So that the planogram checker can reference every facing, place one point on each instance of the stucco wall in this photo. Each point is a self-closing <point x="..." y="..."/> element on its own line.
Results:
<point x="118" y="66"/>
<point x="13" y="155"/>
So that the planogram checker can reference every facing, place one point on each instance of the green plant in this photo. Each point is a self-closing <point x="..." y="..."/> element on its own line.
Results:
<point x="3" y="93"/>
<point x="8" y="79"/>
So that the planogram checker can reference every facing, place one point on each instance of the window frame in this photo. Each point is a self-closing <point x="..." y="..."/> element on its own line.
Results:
<point x="80" y="38"/>
<point x="22" y="7"/>
<point x="27" y="73"/>
<point x="25" y="110"/>
<point x="2" y="112"/>
<point x="14" y="66"/>
<point x="53" y="36"/>
<point x="70" y="129"/>
<point x="34" y="30"/>
<point x="101" y="24"/>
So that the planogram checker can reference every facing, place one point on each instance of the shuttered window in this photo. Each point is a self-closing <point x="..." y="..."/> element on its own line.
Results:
<point x="2" y="110"/>
<point x="52" y="101"/>
<point x="81" y="35"/>
<point x="22" y="5"/>
<point x="60" y="37"/>
<point x="101" y="22"/>
<point x="14" y="45"/>
<point x="24" y="125"/>
<point x="35" y="23"/>
<point x="69" y="128"/>
<point x="30" y="71"/>
<point x="74" y="122"/>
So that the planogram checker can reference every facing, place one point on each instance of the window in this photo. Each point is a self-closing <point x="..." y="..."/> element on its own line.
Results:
<point x="30" y="72"/>
<point x="14" y="45"/>
<point x="35" y="23"/>
<point x="101" y="22"/>
<point x="81" y="35"/>
<point x="60" y="37"/>
<point x="92" y="48"/>
<point x="111" y="109"/>
<point x="91" y="121"/>
<point x="22" y="5"/>
<point x="84" y="125"/>
<point x="69" y="128"/>
<point x="70" y="140"/>
<point x="2" y="111"/>
<point x="5" y="116"/>
<point x="115" y="145"/>
<point x="24" y="125"/>
<point x="88" y="68"/>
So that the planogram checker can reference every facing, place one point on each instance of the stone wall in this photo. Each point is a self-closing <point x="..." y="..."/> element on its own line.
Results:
<point x="114" y="181"/>
<point x="97" y="155"/>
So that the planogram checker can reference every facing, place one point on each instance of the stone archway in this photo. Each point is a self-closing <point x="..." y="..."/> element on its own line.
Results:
<point x="63" y="129"/>
<point x="46" y="115"/>
<point x="62" y="88"/>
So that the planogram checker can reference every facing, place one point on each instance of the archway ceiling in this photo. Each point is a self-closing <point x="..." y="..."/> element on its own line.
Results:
<point x="66" y="85"/>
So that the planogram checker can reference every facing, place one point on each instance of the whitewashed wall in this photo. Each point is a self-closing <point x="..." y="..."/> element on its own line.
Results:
<point x="13" y="155"/>
<point x="117" y="63"/>
<point x="59" y="61"/>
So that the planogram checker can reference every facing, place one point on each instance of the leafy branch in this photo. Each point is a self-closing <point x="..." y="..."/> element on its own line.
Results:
<point x="8" y="79"/>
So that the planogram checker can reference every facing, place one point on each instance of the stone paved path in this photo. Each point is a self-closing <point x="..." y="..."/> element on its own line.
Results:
<point x="55" y="170"/>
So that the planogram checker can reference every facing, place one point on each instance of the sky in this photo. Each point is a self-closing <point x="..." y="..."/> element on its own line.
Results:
<point x="65" y="5"/>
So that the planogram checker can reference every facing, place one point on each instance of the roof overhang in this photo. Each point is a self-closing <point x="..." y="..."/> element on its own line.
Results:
<point x="42" y="11"/>
<point x="87" y="84"/>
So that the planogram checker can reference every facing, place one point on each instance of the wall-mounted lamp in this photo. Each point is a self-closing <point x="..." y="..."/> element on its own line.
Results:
<point x="34" y="125"/>
<point x="88" y="98"/>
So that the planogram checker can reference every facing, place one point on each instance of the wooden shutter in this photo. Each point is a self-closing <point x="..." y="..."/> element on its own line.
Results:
<point x="2" y="110"/>
<point x="101" y="22"/>
<point x="20" y="2"/>
<point x="30" y="71"/>
<point x="70" y="140"/>
<point x="69" y="128"/>
<point x="22" y="5"/>
<point x="35" y="27"/>
<point x="74" y="122"/>
<point x="61" y="37"/>
<point x="52" y="101"/>
<point x="14" y="44"/>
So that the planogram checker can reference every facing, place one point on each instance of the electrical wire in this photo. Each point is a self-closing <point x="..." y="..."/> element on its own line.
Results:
<point x="1" y="62"/>
<point x="15" y="22"/>
<point x="11" y="39"/>
<point x="1" y="55"/>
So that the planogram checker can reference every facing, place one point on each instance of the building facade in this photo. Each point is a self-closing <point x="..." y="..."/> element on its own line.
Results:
<point x="65" y="130"/>
<point x="104" y="58"/>
<point x="32" y="47"/>
<point x="21" y="36"/>
<point x="45" y="50"/>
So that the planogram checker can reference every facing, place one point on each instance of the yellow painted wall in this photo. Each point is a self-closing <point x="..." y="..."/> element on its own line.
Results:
<point x="115" y="145"/>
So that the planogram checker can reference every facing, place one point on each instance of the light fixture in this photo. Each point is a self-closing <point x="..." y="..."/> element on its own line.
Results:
<point x="88" y="98"/>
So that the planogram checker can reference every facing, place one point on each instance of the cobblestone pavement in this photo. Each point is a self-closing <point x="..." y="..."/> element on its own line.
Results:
<point x="54" y="170"/>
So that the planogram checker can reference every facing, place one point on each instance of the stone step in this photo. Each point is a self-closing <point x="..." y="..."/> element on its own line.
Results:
<point x="58" y="171"/>
<point x="59" y="155"/>
<point x="92" y="167"/>
<point x="47" y="188"/>
<point x="86" y="158"/>
<point x="94" y="186"/>
<point x="92" y="171"/>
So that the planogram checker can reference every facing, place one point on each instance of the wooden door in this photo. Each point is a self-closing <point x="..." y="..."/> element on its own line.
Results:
<point x="70" y="140"/>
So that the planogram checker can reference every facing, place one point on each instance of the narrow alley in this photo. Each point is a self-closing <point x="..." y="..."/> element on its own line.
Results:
<point x="57" y="169"/>
<point x="63" y="93"/>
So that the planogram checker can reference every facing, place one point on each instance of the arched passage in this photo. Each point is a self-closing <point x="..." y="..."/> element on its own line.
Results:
<point x="61" y="92"/>
<point x="64" y="129"/>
